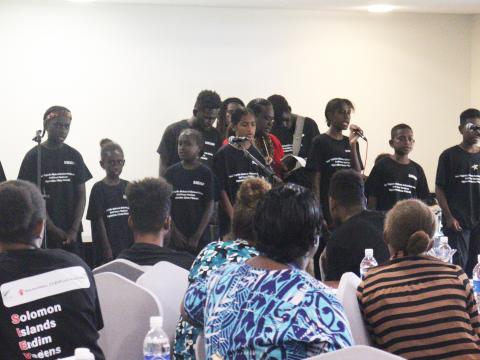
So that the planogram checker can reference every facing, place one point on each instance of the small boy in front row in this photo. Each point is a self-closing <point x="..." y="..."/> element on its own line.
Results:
<point x="193" y="194"/>
<point x="396" y="177"/>
<point x="458" y="191"/>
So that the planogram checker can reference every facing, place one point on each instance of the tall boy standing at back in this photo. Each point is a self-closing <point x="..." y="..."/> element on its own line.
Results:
<point x="63" y="180"/>
<point x="458" y="191"/>
<point x="396" y="177"/>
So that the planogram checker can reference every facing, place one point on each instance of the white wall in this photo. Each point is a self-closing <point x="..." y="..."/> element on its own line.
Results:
<point x="475" y="41"/>
<point x="126" y="72"/>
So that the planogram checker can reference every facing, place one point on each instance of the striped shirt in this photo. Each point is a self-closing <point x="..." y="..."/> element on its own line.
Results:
<point x="419" y="307"/>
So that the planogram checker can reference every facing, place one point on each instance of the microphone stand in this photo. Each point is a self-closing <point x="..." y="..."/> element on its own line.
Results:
<point x="38" y="140"/>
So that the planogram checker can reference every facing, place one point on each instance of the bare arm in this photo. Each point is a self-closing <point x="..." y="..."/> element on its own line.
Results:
<point x="226" y="204"/>
<point x="316" y="178"/>
<point x="353" y="140"/>
<point x="452" y="223"/>
<point x="207" y="214"/>
<point x="162" y="166"/>
<point x="99" y="236"/>
<point x="77" y="214"/>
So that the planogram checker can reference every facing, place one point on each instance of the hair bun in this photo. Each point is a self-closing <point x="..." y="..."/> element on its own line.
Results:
<point x="105" y="141"/>
<point x="417" y="243"/>
<point x="251" y="191"/>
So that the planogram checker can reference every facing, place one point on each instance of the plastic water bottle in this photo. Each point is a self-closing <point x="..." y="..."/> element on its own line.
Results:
<point x="83" y="354"/>
<point x="444" y="251"/>
<point x="367" y="262"/>
<point x="156" y="345"/>
<point x="476" y="280"/>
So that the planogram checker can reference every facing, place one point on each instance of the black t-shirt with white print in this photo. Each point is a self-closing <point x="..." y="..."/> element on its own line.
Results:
<point x="168" y="144"/>
<point x="2" y="174"/>
<point x="458" y="174"/>
<point x="327" y="156"/>
<point x="63" y="170"/>
<point x="231" y="167"/>
<point x="390" y="181"/>
<point x="285" y="135"/>
<point x="110" y="203"/>
<point x="192" y="190"/>
<point x="49" y="305"/>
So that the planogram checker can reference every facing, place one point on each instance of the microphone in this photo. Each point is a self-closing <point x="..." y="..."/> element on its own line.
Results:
<point x="237" y="139"/>
<point x="359" y="133"/>
<point x="472" y="127"/>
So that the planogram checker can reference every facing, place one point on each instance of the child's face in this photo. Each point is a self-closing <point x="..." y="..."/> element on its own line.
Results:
<point x="341" y="118"/>
<point x="402" y="141"/>
<point x="187" y="147"/>
<point x="58" y="129"/>
<point x="113" y="163"/>
<point x="246" y="127"/>
<point x="471" y="136"/>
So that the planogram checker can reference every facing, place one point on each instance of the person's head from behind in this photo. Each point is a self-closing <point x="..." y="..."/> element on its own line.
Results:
<point x="251" y="191"/>
<point x="409" y="227"/>
<point x="287" y="224"/>
<point x="111" y="158"/>
<point x="346" y="195"/>
<point x="22" y="214"/>
<point x="401" y="139"/>
<point x="264" y="115"/>
<point x="470" y="133"/>
<point x="338" y="112"/>
<point x="206" y="109"/>
<point x="149" y="202"/>
<point x="190" y="144"/>
<point x="56" y="122"/>
<point x="380" y="157"/>
<point x="244" y="123"/>
<point x="281" y="109"/>
<point x="229" y="105"/>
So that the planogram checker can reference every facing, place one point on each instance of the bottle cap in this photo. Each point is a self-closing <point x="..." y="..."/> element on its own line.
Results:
<point x="444" y="240"/>
<point x="368" y="252"/>
<point x="156" y="321"/>
<point x="83" y="354"/>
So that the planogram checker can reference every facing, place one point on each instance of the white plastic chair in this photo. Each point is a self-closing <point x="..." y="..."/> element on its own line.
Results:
<point x="347" y="294"/>
<point x="126" y="268"/>
<point x="200" y="353"/>
<point x="126" y="309"/>
<point x="359" y="352"/>
<point x="169" y="283"/>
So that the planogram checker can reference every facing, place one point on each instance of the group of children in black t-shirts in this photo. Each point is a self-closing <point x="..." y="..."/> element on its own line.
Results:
<point x="206" y="166"/>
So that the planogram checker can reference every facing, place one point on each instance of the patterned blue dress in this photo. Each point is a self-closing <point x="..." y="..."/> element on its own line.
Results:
<point x="251" y="313"/>
<point x="212" y="257"/>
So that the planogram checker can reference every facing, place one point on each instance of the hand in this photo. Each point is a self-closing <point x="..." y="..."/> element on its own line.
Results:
<point x="453" y="224"/>
<point x="70" y="238"/>
<point x="353" y="137"/>
<point x="193" y="241"/>
<point x="57" y="234"/>
<point x="107" y="255"/>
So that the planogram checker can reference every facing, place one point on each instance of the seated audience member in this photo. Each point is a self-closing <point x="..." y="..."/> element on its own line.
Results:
<point x="49" y="304"/>
<point x="417" y="306"/>
<point x="149" y="202"/>
<point x="269" y="307"/>
<point x="236" y="250"/>
<point x="356" y="228"/>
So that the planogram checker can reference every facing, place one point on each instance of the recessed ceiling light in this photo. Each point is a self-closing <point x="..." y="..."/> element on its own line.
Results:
<point x="380" y="8"/>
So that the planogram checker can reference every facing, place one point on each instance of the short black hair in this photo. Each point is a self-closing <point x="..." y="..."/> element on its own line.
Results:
<point x="208" y="100"/>
<point x="280" y="105"/>
<point x="149" y="202"/>
<point x="399" y="127"/>
<point x="347" y="188"/>
<point x="257" y="105"/>
<point x="286" y="222"/>
<point x="336" y="105"/>
<point x="222" y="119"/>
<point x="196" y="136"/>
<point x="107" y="146"/>
<point x="469" y="114"/>
<point x="21" y="208"/>
<point x="239" y="113"/>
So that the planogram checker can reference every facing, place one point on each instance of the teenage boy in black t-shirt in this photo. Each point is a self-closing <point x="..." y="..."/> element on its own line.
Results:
<point x="63" y="180"/>
<point x="205" y="112"/>
<point x="356" y="228"/>
<point x="333" y="151"/>
<point x="150" y="202"/>
<point x="458" y="191"/>
<point x="192" y="198"/>
<point x="2" y="174"/>
<point x="108" y="209"/>
<point x="49" y="303"/>
<point x="396" y="177"/>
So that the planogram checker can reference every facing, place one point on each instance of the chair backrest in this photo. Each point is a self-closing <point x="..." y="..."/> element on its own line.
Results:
<point x="347" y="294"/>
<point x="126" y="268"/>
<point x="358" y="352"/>
<point x="126" y="309"/>
<point x="169" y="283"/>
<point x="200" y="353"/>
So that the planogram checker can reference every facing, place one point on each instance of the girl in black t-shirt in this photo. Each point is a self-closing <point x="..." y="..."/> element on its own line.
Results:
<point x="108" y="208"/>
<point x="193" y="193"/>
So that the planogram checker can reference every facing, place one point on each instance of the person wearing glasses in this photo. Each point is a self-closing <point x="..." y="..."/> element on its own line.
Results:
<point x="268" y="306"/>
<point x="108" y="209"/>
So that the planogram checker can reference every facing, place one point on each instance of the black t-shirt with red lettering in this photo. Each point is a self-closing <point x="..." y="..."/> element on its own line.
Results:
<point x="49" y="305"/>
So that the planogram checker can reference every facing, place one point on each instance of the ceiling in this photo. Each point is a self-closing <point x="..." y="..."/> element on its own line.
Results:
<point x="425" y="6"/>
